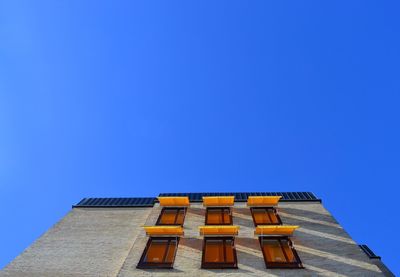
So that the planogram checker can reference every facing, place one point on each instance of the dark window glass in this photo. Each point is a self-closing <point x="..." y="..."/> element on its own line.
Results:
<point x="218" y="216"/>
<point x="172" y="216"/>
<point x="219" y="253"/>
<point x="159" y="253"/>
<point x="279" y="253"/>
<point x="265" y="216"/>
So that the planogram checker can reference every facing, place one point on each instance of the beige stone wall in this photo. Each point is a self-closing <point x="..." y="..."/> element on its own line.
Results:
<point x="86" y="242"/>
<point x="109" y="242"/>
<point x="323" y="246"/>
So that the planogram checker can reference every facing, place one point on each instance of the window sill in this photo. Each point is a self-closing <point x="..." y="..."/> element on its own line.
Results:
<point x="284" y="266"/>
<point x="154" y="266"/>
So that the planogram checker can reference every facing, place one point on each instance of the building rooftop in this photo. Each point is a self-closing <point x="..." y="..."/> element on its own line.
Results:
<point x="193" y="197"/>
<point x="112" y="237"/>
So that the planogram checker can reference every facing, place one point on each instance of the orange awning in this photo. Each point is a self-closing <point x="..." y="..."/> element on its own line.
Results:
<point x="181" y="201"/>
<point x="163" y="230"/>
<point x="269" y="230"/>
<point x="218" y="201"/>
<point x="219" y="230"/>
<point x="263" y="201"/>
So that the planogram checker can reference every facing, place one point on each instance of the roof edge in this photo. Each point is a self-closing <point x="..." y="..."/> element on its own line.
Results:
<point x="129" y="202"/>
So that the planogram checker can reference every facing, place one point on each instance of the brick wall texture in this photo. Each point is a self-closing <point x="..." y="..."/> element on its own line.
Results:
<point x="109" y="242"/>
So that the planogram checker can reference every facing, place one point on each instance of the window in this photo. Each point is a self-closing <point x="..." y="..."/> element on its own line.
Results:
<point x="219" y="252"/>
<point x="279" y="253"/>
<point x="218" y="216"/>
<point x="159" y="253"/>
<point x="171" y="216"/>
<point x="265" y="216"/>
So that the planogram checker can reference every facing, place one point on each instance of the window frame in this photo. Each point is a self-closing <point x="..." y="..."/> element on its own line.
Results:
<point x="222" y="209"/>
<point x="209" y="265"/>
<point x="266" y="208"/>
<point x="176" y="216"/>
<point x="163" y="265"/>
<point x="281" y="265"/>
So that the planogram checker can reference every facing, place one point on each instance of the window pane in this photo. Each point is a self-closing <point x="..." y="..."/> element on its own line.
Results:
<point x="172" y="217"/>
<point x="214" y="251"/>
<point x="273" y="219"/>
<point x="156" y="251"/>
<point x="265" y="216"/>
<point x="181" y="216"/>
<point x="171" y="251"/>
<point x="288" y="251"/>
<point x="260" y="216"/>
<point x="227" y="217"/>
<point x="273" y="251"/>
<point x="218" y="216"/>
<point x="229" y="251"/>
<point x="168" y="217"/>
<point x="214" y="217"/>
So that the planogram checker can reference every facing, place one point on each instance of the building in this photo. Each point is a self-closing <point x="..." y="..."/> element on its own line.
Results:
<point x="198" y="234"/>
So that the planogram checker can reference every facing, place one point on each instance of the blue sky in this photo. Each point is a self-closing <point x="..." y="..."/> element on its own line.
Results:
<point x="133" y="98"/>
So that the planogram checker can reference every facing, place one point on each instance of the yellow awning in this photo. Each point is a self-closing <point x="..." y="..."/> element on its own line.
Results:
<point x="263" y="201"/>
<point x="181" y="201"/>
<point x="163" y="230"/>
<point x="218" y="201"/>
<point x="219" y="230"/>
<point x="269" y="230"/>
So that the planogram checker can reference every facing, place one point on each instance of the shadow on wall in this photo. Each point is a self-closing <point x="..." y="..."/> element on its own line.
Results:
<point x="320" y="233"/>
<point x="196" y="245"/>
<point x="193" y="243"/>
<point x="316" y="262"/>
<point x="320" y="241"/>
<point x="197" y="211"/>
<point x="318" y="230"/>
<point x="243" y="222"/>
<point x="311" y="216"/>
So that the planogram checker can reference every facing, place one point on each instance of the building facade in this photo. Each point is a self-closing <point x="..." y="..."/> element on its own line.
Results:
<point x="198" y="234"/>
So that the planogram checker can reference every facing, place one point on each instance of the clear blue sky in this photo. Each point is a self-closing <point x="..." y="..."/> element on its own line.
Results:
<point x="133" y="98"/>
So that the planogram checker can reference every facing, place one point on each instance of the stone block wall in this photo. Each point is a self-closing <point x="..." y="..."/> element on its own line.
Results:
<point x="110" y="242"/>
